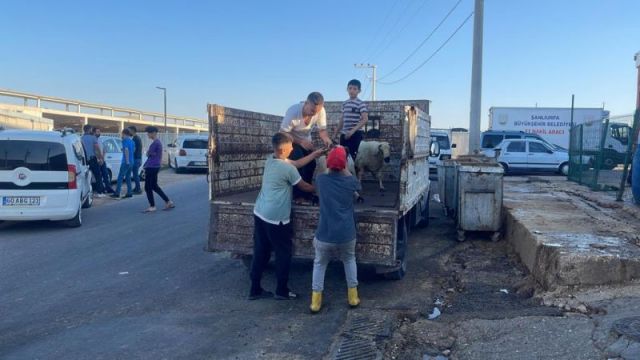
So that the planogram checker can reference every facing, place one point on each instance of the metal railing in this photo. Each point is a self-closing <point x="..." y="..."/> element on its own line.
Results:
<point x="86" y="108"/>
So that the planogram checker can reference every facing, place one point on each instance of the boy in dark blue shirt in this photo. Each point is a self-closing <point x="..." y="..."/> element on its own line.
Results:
<point x="336" y="234"/>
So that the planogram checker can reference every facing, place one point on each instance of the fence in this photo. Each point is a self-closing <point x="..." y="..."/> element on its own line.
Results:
<point x="599" y="153"/>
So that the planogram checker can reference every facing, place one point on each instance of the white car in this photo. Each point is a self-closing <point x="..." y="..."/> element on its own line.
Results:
<point x="189" y="152"/>
<point x="527" y="155"/>
<point x="44" y="175"/>
<point x="112" y="147"/>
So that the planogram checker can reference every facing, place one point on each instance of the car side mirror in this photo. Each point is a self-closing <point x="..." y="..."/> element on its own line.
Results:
<point x="453" y="146"/>
<point x="435" y="149"/>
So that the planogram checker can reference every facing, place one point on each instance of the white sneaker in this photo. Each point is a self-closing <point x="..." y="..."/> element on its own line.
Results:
<point x="100" y="195"/>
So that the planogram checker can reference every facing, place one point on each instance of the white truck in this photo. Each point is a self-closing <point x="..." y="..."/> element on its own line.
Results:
<point x="442" y="137"/>
<point x="554" y="125"/>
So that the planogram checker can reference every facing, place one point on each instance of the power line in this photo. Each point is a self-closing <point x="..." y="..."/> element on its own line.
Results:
<point x="384" y="22"/>
<point x="432" y="55"/>
<point x="388" y="35"/>
<point x="423" y="41"/>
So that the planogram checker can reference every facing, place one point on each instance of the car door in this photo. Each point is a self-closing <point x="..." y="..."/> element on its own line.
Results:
<point x="541" y="157"/>
<point x="514" y="154"/>
<point x="113" y="156"/>
<point x="84" y="175"/>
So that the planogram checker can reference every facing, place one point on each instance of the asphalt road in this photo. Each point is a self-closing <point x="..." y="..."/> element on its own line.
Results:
<point x="134" y="285"/>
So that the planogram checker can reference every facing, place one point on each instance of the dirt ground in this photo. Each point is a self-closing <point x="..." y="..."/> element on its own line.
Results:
<point x="489" y="308"/>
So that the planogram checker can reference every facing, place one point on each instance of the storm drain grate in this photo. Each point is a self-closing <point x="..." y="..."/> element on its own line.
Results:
<point x="362" y="325"/>
<point x="354" y="348"/>
<point x="629" y="327"/>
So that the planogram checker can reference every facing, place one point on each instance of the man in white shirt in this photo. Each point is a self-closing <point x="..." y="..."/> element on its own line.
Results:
<point x="299" y="121"/>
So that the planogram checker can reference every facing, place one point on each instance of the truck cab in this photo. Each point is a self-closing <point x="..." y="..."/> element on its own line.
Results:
<point x="444" y="142"/>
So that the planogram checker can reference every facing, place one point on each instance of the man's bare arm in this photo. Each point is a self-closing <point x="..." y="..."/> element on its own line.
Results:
<point x="305" y="186"/>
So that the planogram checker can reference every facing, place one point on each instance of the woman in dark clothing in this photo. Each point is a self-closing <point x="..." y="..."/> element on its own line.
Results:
<point x="151" y="169"/>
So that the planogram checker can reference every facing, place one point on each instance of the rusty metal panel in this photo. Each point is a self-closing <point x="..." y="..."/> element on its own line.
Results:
<point x="232" y="230"/>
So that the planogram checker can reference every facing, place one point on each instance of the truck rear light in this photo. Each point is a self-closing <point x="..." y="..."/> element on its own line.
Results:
<point x="71" y="171"/>
<point x="182" y="152"/>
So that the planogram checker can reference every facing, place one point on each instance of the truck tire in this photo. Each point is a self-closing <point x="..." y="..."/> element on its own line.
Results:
<point x="401" y="252"/>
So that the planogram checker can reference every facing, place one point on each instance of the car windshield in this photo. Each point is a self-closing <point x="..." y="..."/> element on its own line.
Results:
<point x="195" y="144"/>
<point x="33" y="155"/>
<point x="443" y="141"/>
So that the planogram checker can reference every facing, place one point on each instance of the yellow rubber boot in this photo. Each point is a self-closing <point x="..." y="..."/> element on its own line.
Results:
<point x="316" y="301"/>
<point x="352" y="294"/>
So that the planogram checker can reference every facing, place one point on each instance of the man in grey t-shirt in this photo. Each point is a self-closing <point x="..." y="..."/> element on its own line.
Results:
<point x="299" y="121"/>
<point x="94" y="156"/>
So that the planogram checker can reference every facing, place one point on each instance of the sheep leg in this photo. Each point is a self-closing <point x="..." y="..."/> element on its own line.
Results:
<point x="378" y="176"/>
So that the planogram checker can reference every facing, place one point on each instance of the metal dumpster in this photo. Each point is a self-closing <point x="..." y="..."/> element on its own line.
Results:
<point x="447" y="188"/>
<point x="479" y="190"/>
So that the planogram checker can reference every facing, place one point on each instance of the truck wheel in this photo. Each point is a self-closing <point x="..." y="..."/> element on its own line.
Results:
<point x="609" y="163"/>
<point x="401" y="250"/>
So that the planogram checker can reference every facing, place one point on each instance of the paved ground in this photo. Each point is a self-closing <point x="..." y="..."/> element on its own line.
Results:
<point x="133" y="285"/>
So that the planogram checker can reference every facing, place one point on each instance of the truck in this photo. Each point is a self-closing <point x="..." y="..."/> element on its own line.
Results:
<point x="554" y="124"/>
<point x="240" y="142"/>
<point x="442" y="136"/>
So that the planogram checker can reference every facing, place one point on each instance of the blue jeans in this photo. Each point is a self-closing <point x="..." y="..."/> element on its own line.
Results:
<point x="635" y="176"/>
<point x="125" y="174"/>
<point x="136" y="174"/>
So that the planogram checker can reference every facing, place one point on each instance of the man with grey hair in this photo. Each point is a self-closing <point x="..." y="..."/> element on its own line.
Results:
<point x="299" y="121"/>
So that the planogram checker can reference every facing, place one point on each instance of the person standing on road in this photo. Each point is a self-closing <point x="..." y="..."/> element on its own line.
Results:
<point x="272" y="228"/>
<point x="94" y="156"/>
<point x="125" y="165"/>
<point x="298" y="122"/>
<point x="137" y="159"/>
<point x="104" y="171"/>
<point x="151" y="169"/>
<point x="336" y="233"/>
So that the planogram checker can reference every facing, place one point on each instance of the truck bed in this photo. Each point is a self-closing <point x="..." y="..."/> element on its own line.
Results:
<point x="373" y="199"/>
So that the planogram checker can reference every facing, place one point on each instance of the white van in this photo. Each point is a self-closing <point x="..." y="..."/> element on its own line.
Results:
<point x="444" y="141"/>
<point x="44" y="175"/>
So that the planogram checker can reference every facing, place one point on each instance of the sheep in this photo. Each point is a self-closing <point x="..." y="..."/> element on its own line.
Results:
<point x="371" y="157"/>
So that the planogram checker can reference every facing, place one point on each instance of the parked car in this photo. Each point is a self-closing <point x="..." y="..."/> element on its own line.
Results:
<point x="491" y="138"/>
<point x="44" y="175"/>
<point x="528" y="155"/>
<point x="113" y="157"/>
<point x="189" y="152"/>
<point x="443" y="140"/>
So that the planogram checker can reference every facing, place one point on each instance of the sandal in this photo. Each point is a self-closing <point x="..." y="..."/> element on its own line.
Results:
<point x="170" y="205"/>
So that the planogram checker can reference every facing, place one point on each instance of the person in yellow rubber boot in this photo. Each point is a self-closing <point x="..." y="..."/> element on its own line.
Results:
<point x="336" y="233"/>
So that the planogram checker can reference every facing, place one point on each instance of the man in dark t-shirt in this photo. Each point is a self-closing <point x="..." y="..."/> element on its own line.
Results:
<point x="137" y="159"/>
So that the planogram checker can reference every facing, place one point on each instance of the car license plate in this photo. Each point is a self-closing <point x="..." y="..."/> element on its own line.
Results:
<point x="21" y="201"/>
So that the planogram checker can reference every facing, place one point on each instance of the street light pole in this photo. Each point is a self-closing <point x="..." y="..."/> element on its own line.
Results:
<point x="166" y="131"/>
<point x="373" y="78"/>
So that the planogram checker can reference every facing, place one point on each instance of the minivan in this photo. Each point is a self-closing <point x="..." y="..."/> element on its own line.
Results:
<point x="44" y="175"/>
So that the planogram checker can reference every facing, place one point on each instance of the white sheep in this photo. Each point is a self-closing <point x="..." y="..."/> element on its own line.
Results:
<point x="321" y="168"/>
<point x="372" y="155"/>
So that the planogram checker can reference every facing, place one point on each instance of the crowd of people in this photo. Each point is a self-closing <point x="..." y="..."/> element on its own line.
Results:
<point x="130" y="165"/>
<point x="288" y="176"/>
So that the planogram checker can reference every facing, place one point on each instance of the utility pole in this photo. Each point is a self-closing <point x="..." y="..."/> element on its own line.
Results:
<point x="164" y="90"/>
<point x="373" y="77"/>
<point x="476" y="79"/>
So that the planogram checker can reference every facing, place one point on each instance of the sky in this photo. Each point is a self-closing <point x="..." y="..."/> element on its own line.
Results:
<point x="266" y="55"/>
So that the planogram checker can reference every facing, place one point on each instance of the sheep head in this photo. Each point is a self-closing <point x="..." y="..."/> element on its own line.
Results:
<point x="385" y="150"/>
